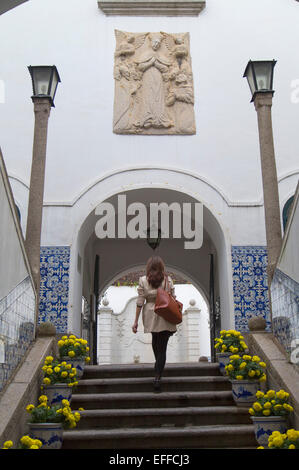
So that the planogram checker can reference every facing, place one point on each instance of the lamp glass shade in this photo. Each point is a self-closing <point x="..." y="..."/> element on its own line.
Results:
<point x="259" y="75"/>
<point x="44" y="81"/>
<point x="250" y="78"/>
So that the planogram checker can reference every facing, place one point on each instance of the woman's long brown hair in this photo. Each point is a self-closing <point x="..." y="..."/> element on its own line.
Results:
<point x="155" y="271"/>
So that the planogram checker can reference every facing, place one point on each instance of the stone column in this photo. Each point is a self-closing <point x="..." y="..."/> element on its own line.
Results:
<point x="192" y="320"/>
<point x="42" y="107"/>
<point x="104" y="333"/>
<point x="263" y="104"/>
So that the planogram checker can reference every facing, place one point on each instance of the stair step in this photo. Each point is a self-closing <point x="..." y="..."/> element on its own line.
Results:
<point x="145" y="384"/>
<point x="216" y="436"/>
<point x="151" y="400"/>
<point x="191" y="416"/>
<point x="147" y="370"/>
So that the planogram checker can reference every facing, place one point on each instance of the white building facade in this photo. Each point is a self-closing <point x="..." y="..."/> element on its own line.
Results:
<point x="88" y="164"/>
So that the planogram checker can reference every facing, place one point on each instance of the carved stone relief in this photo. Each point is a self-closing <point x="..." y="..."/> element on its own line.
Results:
<point x="153" y="84"/>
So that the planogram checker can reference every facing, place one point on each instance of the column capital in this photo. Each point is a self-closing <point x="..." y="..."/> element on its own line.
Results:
<point x="42" y="104"/>
<point x="263" y="99"/>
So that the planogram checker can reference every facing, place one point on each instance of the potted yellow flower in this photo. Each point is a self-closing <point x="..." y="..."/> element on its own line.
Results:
<point x="245" y="373"/>
<point x="75" y="351"/>
<point x="26" y="442"/>
<point x="287" y="440"/>
<point x="47" y="422"/>
<point x="230" y="342"/>
<point x="59" y="378"/>
<point x="269" y="413"/>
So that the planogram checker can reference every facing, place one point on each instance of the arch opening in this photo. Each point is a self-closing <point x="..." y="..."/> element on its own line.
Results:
<point x="114" y="257"/>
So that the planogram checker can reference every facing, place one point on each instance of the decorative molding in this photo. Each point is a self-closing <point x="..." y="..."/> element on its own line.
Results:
<point x="89" y="187"/>
<point x="151" y="7"/>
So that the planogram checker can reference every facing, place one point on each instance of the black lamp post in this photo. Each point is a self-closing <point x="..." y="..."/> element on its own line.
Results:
<point x="259" y="75"/>
<point x="44" y="82"/>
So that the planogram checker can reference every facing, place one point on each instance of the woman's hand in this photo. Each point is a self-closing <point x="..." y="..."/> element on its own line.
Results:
<point x="135" y="327"/>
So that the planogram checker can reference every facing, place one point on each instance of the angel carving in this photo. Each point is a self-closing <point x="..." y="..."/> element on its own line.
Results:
<point x="180" y="76"/>
<point x="127" y="76"/>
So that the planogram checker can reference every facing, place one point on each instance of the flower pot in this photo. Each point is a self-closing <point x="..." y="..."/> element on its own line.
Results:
<point x="58" y="392"/>
<point x="77" y="362"/>
<point x="50" y="434"/>
<point x="223" y="359"/>
<point x="244" y="391"/>
<point x="265" y="425"/>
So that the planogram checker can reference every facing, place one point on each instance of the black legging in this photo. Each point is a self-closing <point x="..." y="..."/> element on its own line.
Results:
<point x="159" y="344"/>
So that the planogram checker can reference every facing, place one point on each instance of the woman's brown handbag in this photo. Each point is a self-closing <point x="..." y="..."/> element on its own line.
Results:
<point x="167" y="306"/>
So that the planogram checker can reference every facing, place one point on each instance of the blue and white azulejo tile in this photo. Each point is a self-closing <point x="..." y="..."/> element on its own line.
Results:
<point x="250" y="285"/>
<point x="54" y="286"/>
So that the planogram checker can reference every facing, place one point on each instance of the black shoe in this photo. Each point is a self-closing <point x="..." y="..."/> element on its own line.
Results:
<point x="157" y="385"/>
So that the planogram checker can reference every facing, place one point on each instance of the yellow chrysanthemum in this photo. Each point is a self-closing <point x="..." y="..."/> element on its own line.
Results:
<point x="7" y="445"/>
<point x="280" y="394"/>
<point x="292" y="435"/>
<point x="256" y="406"/>
<point x="246" y="357"/>
<point x="29" y="408"/>
<point x="26" y="440"/>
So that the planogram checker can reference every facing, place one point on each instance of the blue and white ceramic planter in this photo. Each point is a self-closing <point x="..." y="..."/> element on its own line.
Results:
<point x="264" y="426"/>
<point x="244" y="391"/>
<point x="50" y="434"/>
<point x="58" y="392"/>
<point x="223" y="359"/>
<point x="76" y="362"/>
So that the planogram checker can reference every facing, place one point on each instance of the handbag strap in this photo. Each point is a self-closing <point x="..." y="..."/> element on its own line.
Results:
<point x="166" y="282"/>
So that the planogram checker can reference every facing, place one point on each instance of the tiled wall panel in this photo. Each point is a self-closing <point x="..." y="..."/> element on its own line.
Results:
<point x="54" y="286"/>
<point x="250" y="285"/>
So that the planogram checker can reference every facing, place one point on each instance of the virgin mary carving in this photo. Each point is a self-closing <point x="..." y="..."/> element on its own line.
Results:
<point x="153" y="84"/>
<point x="152" y="110"/>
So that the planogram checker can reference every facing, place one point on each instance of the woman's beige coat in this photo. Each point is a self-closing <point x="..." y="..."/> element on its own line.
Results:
<point x="146" y="299"/>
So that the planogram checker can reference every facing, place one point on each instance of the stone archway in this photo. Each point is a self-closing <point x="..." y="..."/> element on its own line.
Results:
<point x="118" y="255"/>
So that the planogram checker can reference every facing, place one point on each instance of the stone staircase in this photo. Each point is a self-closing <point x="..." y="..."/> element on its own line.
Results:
<point x="195" y="409"/>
